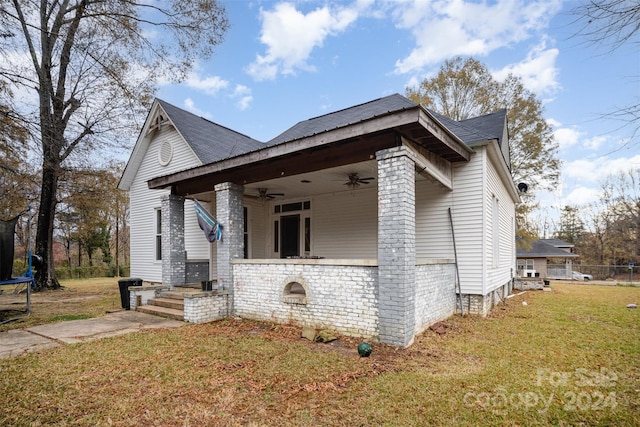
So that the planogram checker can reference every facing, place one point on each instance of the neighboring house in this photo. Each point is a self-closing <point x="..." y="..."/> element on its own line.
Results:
<point x="342" y="221"/>
<point x="535" y="261"/>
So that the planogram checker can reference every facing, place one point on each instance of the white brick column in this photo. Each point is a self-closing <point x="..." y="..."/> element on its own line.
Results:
<point x="396" y="246"/>
<point x="229" y="212"/>
<point x="174" y="255"/>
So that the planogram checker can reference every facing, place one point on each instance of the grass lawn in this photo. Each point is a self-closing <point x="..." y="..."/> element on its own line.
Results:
<point x="569" y="357"/>
<point x="80" y="298"/>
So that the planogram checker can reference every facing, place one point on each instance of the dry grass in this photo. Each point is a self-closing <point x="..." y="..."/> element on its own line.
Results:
<point x="81" y="298"/>
<point x="569" y="357"/>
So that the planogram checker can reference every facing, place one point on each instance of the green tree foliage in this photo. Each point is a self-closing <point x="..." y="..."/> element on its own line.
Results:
<point x="86" y="70"/>
<point x="88" y="212"/>
<point x="465" y="88"/>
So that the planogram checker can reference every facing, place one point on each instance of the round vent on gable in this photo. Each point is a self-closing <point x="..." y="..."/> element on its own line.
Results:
<point x="165" y="154"/>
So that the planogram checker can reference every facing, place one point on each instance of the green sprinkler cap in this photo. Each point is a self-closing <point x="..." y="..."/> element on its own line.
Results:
<point x="364" y="349"/>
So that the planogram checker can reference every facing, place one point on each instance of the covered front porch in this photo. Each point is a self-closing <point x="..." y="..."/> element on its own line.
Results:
<point x="321" y="231"/>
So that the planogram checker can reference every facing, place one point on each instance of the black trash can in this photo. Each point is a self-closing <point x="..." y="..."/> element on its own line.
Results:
<point x="124" y="284"/>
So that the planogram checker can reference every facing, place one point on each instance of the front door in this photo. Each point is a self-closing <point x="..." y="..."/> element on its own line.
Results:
<point x="290" y="236"/>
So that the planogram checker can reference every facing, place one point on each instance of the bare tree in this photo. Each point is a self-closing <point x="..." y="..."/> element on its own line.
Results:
<point x="85" y="70"/>
<point x="613" y="223"/>
<point x="612" y="23"/>
<point x="608" y="21"/>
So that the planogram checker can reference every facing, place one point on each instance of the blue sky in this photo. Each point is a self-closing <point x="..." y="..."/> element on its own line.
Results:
<point x="282" y="62"/>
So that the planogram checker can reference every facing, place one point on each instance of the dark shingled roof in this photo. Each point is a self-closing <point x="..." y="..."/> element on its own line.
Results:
<point x="337" y="119"/>
<point x="209" y="141"/>
<point x="212" y="142"/>
<point x="541" y="249"/>
<point x="477" y="129"/>
<point x="557" y="243"/>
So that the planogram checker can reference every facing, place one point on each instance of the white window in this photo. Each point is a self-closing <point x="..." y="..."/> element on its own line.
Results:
<point x="525" y="264"/>
<point x="158" y="234"/>
<point x="246" y="233"/>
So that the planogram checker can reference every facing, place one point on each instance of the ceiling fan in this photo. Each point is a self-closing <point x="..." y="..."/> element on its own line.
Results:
<point x="264" y="195"/>
<point x="354" y="181"/>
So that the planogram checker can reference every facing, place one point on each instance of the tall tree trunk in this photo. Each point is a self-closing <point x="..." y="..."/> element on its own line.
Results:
<point x="46" y="275"/>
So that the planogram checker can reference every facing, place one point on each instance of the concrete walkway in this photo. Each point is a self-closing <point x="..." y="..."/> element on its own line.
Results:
<point x="20" y="341"/>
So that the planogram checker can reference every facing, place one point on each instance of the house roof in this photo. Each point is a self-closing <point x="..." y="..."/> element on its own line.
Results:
<point x="366" y="127"/>
<point x="197" y="131"/>
<point x="542" y="249"/>
<point x="557" y="243"/>
<point x="470" y="131"/>
<point x="476" y="129"/>
<point x="358" y="113"/>
<point x="208" y="140"/>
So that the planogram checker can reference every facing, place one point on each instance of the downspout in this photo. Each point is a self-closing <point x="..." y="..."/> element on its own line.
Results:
<point x="455" y="254"/>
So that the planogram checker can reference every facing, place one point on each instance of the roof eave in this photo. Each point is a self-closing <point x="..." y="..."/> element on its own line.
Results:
<point x="392" y="121"/>
<point x="137" y="154"/>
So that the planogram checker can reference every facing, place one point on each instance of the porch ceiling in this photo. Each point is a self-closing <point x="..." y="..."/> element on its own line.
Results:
<point x="341" y="148"/>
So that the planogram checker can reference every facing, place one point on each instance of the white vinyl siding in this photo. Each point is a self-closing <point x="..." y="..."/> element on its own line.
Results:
<point x="433" y="228"/>
<point x="257" y="216"/>
<point x="501" y="261"/>
<point x="195" y="242"/>
<point x="469" y="220"/>
<point x="345" y="225"/>
<point x="495" y="232"/>
<point x="144" y="202"/>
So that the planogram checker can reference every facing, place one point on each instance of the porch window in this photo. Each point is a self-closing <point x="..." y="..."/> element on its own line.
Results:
<point x="276" y="236"/>
<point x="246" y="232"/>
<point x="307" y="235"/>
<point x="158" y="234"/>
<point x="524" y="264"/>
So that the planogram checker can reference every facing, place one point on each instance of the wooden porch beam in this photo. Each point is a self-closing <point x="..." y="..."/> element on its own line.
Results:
<point x="430" y="165"/>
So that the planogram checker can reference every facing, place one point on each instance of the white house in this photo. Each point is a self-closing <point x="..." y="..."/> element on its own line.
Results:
<point x="344" y="221"/>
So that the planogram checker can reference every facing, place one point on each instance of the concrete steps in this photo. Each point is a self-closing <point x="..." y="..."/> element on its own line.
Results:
<point x="169" y="304"/>
<point x="169" y="313"/>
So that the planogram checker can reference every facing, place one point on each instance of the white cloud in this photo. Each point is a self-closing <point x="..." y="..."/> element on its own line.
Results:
<point x="581" y="196"/>
<point x="596" y="170"/>
<point x="595" y="143"/>
<point x="582" y="170"/>
<point x="567" y="137"/>
<point x="243" y="97"/>
<point x="444" y="28"/>
<point x="291" y="36"/>
<point x="211" y="85"/>
<point x="191" y="106"/>
<point x="538" y="71"/>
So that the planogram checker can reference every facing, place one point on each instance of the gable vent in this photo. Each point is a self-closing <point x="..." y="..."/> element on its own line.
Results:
<point x="165" y="154"/>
